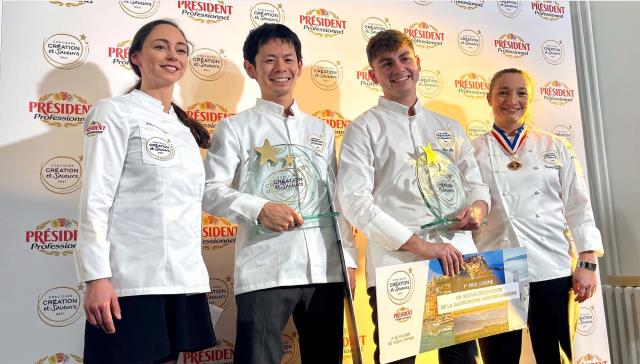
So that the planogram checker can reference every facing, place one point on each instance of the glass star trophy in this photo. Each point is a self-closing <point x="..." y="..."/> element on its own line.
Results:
<point x="441" y="185"/>
<point x="304" y="180"/>
<point x="294" y="175"/>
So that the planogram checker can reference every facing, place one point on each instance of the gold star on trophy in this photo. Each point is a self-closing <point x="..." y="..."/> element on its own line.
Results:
<point x="432" y="158"/>
<point x="289" y="159"/>
<point x="267" y="152"/>
<point x="430" y="154"/>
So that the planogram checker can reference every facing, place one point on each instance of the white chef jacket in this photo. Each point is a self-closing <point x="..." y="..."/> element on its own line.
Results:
<point x="377" y="179"/>
<point x="140" y="207"/>
<point x="298" y="257"/>
<point x="530" y="205"/>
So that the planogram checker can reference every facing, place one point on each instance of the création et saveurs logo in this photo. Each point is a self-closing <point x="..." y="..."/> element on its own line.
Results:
<point x="65" y="51"/>
<point x="208" y="64"/>
<point x="60" y="306"/>
<point x="61" y="174"/>
<point x="327" y="75"/>
<point x="139" y="8"/>
<point x="263" y="13"/>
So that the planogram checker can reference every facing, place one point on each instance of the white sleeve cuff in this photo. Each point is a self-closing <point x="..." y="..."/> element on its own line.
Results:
<point x="248" y="206"/>
<point x="92" y="262"/>
<point x="587" y="238"/>
<point x="387" y="231"/>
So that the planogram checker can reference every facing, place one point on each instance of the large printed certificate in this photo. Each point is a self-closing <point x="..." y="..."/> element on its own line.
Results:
<point x="421" y="309"/>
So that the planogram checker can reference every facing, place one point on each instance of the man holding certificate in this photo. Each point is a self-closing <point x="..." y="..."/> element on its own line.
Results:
<point x="269" y="169"/>
<point x="408" y="178"/>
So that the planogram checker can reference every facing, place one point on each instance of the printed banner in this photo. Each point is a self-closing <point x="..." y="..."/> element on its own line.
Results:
<point x="421" y="309"/>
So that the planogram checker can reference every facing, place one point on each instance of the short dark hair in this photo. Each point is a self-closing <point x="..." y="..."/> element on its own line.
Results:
<point x="385" y="42"/>
<point x="263" y="34"/>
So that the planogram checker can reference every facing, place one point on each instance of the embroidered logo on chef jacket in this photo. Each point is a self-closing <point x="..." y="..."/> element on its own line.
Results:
<point x="157" y="148"/>
<point x="160" y="148"/>
<point x="316" y="142"/>
<point x="95" y="128"/>
<point x="550" y="159"/>
<point x="445" y="139"/>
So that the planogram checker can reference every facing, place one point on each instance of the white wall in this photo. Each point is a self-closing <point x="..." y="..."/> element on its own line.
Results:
<point x="617" y="55"/>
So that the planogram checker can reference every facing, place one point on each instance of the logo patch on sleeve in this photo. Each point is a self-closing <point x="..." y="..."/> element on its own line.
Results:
<point x="95" y="128"/>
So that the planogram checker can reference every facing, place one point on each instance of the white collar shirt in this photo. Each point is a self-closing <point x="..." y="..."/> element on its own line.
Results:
<point x="377" y="179"/>
<point x="530" y="205"/>
<point x="140" y="206"/>
<point x="298" y="257"/>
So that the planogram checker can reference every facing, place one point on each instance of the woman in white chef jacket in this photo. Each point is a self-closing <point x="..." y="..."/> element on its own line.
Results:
<point x="140" y="215"/>
<point x="536" y="185"/>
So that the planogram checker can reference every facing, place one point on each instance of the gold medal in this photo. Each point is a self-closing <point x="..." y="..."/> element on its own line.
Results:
<point x="510" y="147"/>
<point x="514" y="165"/>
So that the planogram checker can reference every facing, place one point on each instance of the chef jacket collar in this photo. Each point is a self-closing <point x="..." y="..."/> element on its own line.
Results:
<point x="397" y="108"/>
<point x="151" y="101"/>
<point x="273" y="108"/>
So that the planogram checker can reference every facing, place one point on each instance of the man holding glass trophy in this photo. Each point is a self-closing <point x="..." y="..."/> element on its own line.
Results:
<point x="270" y="169"/>
<point x="408" y="178"/>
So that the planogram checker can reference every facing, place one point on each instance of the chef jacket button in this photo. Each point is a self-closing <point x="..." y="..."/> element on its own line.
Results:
<point x="537" y="215"/>
<point x="536" y="193"/>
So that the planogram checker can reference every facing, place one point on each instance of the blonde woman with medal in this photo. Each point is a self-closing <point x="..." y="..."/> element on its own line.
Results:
<point x="139" y="244"/>
<point x="536" y="185"/>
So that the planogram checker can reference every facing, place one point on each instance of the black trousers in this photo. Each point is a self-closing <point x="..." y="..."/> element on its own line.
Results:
<point x="548" y="326"/>
<point x="317" y="312"/>
<point x="463" y="353"/>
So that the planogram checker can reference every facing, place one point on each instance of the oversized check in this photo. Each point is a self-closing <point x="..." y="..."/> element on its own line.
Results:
<point x="421" y="309"/>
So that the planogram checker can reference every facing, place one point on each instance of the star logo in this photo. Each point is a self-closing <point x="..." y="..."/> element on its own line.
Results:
<point x="267" y="152"/>
<point x="430" y="154"/>
<point x="289" y="160"/>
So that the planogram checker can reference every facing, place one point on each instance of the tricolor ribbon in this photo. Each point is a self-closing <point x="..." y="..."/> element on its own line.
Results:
<point x="510" y="146"/>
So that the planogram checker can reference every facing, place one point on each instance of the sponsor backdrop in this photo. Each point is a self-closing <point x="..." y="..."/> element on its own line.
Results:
<point x="60" y="57"/>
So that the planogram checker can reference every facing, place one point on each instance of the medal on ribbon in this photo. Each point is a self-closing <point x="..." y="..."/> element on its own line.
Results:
<point x="511" y="147"/>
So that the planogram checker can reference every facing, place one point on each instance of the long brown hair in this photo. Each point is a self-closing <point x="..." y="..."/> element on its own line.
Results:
<point x="199" y="132"/>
